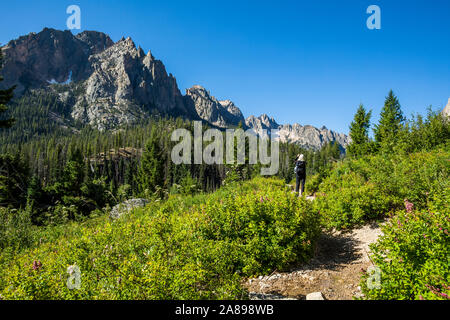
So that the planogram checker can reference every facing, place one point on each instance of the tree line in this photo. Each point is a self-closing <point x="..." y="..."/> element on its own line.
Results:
<point x="394" y="133"/>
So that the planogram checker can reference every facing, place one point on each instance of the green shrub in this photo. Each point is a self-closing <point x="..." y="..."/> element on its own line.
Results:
<point x="360" y="190"/>
<point x="313" y="183"/>
<point x="191" y="247"/>
<point x="413" y="257"/>
<point x="351" y="201"/>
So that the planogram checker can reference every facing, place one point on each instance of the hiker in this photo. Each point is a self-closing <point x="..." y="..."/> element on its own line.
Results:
<point x="300" y="173"/>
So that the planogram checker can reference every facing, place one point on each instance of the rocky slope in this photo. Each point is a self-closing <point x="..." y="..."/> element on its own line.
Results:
<point x="306" y="136"/>
<point x="106" y="85"/>
<point x="124" y="84"/>
<point x="117" y="83"/>
<point x="36" y="60"/>
<point x="221" y="114"/>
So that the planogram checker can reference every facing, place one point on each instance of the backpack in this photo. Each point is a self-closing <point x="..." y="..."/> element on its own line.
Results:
<point x="299" y="168"/>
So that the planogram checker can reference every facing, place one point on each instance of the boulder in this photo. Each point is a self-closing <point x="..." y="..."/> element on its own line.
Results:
<point x="125" y="207"/>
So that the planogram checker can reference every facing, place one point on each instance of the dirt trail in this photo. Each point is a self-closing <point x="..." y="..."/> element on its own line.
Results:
<point x="335" y="269"/>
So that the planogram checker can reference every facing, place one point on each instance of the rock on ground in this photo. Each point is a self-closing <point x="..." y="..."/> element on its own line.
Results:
<point x="125" y="207"/>
<point x="315" y="296"/>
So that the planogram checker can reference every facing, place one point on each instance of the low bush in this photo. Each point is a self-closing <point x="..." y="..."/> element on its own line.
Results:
<point x="360" y="190"/>
<point x="191" y="247"/>
<point x="413" y="256"/>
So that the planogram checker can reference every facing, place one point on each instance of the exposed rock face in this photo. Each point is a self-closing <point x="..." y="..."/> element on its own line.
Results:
<point x="121" y="83"/>
<point x="222" y="114"/>
<point x="107" y="84"/>
<point x="310" y="137"/>
<point x="125" y="84"/>
<point x="307" y="136"/>
<point x="35" y="60"/>
<point x="446" y="111"/>
<point x="261" y="123"/>
<point x="125" y="207"/>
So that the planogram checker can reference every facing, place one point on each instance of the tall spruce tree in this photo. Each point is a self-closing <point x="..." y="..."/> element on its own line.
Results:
<point x="391" y="120"/>
<point x="151" y="171"/>
<point x="73" y="174"/>
<point x="359" y="133"/>
<point x="5" y="97"/>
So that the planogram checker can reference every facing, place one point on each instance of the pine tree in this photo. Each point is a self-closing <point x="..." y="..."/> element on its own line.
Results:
<point x="391" y="120"/>
<point x="73" y="175"/>
<point x="5" y="97"/>
<point x="34" y="199"/>
<point x="151" y="172"/>
<point x="236" y="171"/>
<point x="359" y="133"/>
<point x="13" y="180"/>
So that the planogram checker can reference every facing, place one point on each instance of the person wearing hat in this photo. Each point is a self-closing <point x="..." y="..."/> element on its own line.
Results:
<point x="300" y="173"/>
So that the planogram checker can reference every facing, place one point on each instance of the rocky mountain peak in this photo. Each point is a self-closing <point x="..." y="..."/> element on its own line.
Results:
<point x="233" y="109"/>
<point x="50" y="56"/>
<point x="219" y="113"/>
<point x="107" y="84"/>
<point x="124" y="84"/>
<point x="97" y="41"/>
<point x="260" y="123"/>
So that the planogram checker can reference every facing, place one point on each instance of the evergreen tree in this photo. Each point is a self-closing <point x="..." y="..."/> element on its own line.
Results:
<point x="73" y="175"/>
<point x="236" y="171"/>
<point x="151" y="171"/>
<point x="13" y="181"/>
<point x="34" y="199"/>
<point x="5" y="97"/>
<point x="391" y="120"/>
<point x="359" y="133"/>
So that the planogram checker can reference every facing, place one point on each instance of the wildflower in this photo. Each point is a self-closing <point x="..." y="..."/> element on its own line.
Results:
<point x="37" y="265"/>
<point x="409" y="206"/>
<point x="261" y="199"/>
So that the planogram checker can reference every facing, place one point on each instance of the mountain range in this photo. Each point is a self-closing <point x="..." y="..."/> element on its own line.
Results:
<point x="107" y="84"/>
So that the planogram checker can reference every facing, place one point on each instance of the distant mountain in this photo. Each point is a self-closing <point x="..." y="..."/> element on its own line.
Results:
<point x="221" y="114"/>
<point x="106" y="85"/>
<point x="306" y="136"/>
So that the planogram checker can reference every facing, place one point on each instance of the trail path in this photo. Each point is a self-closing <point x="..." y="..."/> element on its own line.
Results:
<point x="334" y="271"/>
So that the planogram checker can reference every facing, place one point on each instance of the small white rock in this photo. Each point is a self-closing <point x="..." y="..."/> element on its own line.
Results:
<point x="315" y="296"/>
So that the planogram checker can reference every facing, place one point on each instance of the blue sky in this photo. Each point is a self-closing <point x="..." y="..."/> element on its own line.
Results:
<point x="311" y="62"/>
